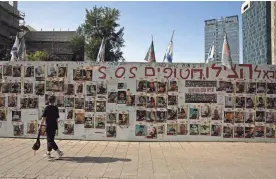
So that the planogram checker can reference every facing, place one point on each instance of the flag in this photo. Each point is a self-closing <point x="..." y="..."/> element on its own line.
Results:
<point x="101" y="54"/>
<point x="226" y="59"/>
<point x="169" y="52"/>
<point x="22" y="54"/>
<point x="14" y="50"/>
<point x="150" y="57"/>
<point x="211" y="53"/>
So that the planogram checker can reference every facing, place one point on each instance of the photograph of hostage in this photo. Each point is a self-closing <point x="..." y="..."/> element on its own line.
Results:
<point x="50" y="117"/>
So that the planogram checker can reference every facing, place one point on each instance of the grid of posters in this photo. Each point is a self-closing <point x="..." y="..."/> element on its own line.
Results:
<point x="111" y="101"/>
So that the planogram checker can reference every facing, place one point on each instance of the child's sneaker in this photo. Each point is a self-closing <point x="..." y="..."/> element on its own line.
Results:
<point x="59" y="154"/>
<point x="48" y="156"/>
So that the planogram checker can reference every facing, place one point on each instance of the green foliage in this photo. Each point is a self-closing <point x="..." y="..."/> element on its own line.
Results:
<point x="101" y="22"/>
<point x="37" y="56"/>
<point x="76" y="44"/>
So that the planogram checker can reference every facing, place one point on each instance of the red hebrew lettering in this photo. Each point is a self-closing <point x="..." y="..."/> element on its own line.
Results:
<point x="133" y="74"/>
<point x="174" y="73"/>
<point x="100" y="70"/>
<point x="241" y="73"/>
<point x="165" y="71"/>
<point x="196" y="71"/>
<point x="256" y="70"/>
<point x="266" y="74"/>
<point x="249" y="66"/>
<point x="152" y="71"/>
<point x="216" y="68"/>
<point x="187" y="76"/>
<point x="122" y="74"/>
<point x="206" y="73"/>
<point x="235" y="75"/>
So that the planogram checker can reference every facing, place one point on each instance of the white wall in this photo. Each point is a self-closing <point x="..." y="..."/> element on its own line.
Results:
<point x="181" y="127"/>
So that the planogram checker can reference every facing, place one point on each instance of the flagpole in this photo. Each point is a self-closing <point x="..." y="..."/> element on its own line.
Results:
<point x="172" y="36"/>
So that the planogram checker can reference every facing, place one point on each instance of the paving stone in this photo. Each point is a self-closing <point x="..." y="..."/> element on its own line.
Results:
<point x="18" y="176"/>
<point x="73" y="177"/>
<point x="51" y="177"/>
<point x="133" y="160"/>
<point x="128" y="176"/>
<point x="31" y="176"/>
<point x="41" y="177"/>
<point x="9" y="175"/>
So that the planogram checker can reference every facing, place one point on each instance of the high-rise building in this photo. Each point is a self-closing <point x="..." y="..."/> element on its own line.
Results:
<point x="259" y="33"/>
<point x="10" y="18"/>
<point x="273" y="32"/>
<point x="214" y="32"/>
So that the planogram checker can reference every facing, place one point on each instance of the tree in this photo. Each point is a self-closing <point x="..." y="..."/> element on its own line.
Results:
<point x="101" y="22"/>
<point x="37" y="56"/>
<point x="5" y="54"/>
<point x="77" y="46"/>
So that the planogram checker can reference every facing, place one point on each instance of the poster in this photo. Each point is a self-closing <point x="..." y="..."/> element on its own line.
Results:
<point x="140" y="101"/>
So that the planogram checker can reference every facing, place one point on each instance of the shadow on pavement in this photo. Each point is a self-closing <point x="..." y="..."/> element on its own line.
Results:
<point x="94" y="159"/>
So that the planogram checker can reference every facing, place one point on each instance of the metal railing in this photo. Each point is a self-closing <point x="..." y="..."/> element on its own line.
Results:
<point x="22" y="14"/>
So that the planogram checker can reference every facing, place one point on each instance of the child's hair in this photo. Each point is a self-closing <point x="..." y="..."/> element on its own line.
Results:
<point x="52" y="99"/>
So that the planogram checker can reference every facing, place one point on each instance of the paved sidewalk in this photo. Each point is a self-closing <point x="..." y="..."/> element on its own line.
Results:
<point x="145" y="160"/>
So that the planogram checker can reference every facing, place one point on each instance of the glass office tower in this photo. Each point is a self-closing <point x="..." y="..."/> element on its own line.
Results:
<point x="258" y="29"/>
<point x="214" y="32"/>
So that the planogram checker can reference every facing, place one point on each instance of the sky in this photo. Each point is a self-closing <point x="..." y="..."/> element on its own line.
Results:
<point x="141" y="20"/>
